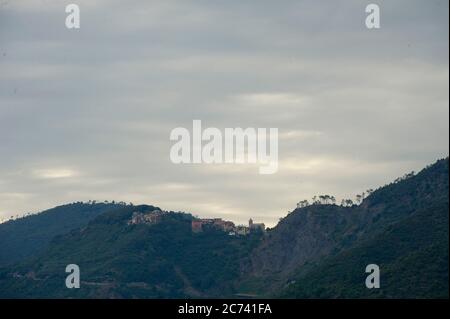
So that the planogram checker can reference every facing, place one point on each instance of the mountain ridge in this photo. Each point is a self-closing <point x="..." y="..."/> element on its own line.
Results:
<point x="309" y="233"/>
<point x="31" y="234"/>
<point x="169" y="260"/>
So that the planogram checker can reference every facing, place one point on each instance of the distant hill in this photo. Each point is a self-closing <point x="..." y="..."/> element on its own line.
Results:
<point x="119" y="260"/>
<point x="28" y="236"/>
<point x="318" y="251"/>
<point x="324" y="249"/>
<point x="412" y="255"/>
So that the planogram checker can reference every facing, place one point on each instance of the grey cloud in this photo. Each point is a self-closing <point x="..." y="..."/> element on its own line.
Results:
<point x="361" y="106"/>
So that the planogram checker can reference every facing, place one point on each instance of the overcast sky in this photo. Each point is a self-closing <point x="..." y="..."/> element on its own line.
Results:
<point x="86" y="114"/>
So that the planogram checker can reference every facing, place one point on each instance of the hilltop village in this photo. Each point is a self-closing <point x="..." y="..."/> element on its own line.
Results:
<point x="200" y="224"/>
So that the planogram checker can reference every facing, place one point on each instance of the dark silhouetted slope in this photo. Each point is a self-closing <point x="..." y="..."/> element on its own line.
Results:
<point x="118" y="260"/>
<point x="28" y="236"/>
<point x="319" y="251"/>
<point x="309" y="236"/>
<point x="412" y="255"/>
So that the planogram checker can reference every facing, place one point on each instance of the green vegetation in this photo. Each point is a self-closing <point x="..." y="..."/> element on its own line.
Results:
<point x="321" y="250"/>
<point x="407" y="237"/>
<point x="317" y="251"/>
<point x="412" y="255"/>
<point x="28" y="236"/>
<point x="164" y="260"/>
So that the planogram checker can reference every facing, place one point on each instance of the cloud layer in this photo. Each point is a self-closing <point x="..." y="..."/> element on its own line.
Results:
<point x="87" y="114"/>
